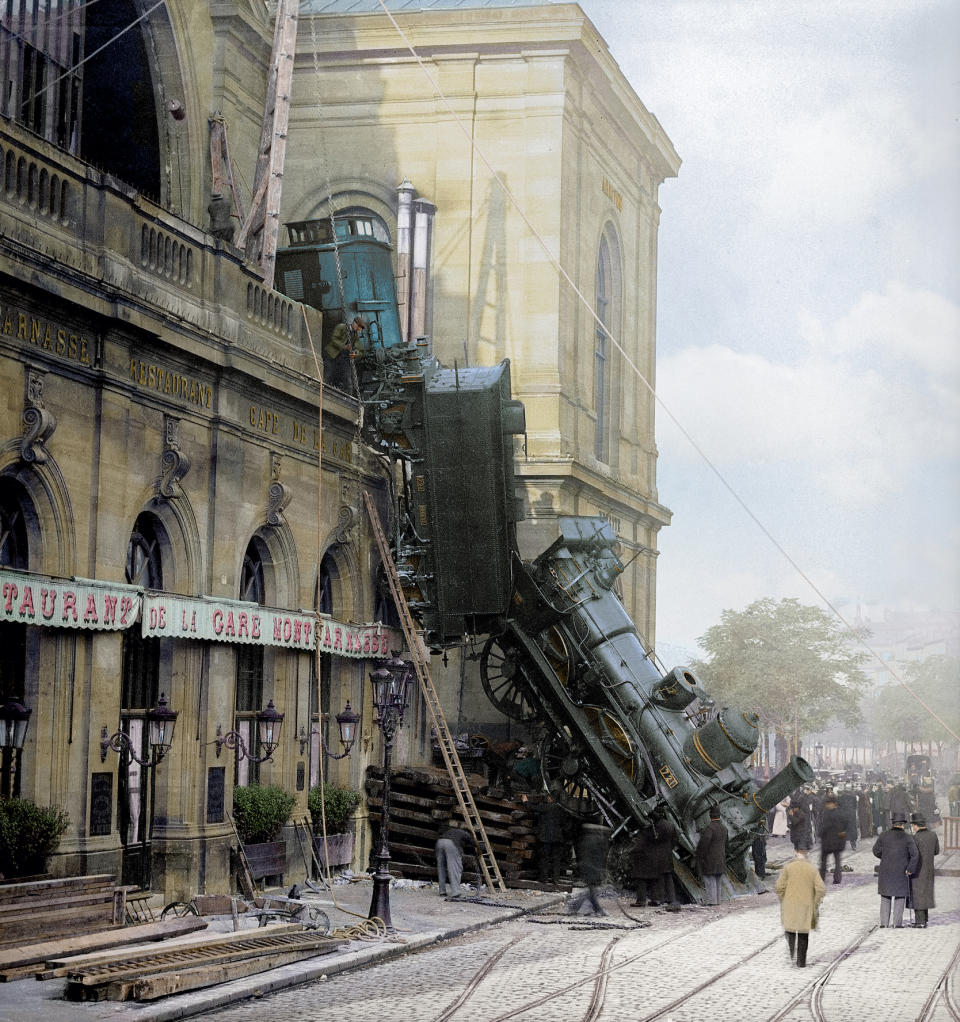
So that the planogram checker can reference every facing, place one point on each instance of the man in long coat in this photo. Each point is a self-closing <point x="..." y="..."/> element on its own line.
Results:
<point x="800" y="890"/>
<point x="833" y="836"/>
<point x="652" y="855"/>
<point x="921" y="883"/>
<point x="712" y="856"/>
<point x="865" y="814"/>
<point x="847" y="802"/>
<point x="593" y="844"/>
<point x="899" y="858"/>
<point x="798" y="821"/>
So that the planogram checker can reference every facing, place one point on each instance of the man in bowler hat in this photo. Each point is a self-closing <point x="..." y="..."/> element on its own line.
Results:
<point x="899" y="858"/>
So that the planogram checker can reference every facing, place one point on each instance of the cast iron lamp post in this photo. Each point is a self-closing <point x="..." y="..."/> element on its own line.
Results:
<point x="14" y="718"/>
<point x="391" y="684"/>
<point x="161" y="721"/>
<point x="346" y="722"/>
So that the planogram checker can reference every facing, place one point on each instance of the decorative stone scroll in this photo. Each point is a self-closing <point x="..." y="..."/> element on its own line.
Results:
<point x="38" y="422"/>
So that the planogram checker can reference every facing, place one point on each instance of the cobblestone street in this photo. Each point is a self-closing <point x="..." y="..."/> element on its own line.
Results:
<point x="702" y="963"/>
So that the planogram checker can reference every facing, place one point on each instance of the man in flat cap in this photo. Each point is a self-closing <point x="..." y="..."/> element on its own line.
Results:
<point x="899" y="858"/>
<point x="921" y="883"/>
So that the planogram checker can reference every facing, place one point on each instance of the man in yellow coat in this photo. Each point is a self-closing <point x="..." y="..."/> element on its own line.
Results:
<point x="800" y="890"/>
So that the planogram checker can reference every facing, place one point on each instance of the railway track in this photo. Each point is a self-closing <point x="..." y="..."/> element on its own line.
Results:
<point x="942" y="992"/>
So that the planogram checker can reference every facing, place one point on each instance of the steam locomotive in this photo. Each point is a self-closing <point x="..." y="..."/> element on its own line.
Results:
<point x="621" y="740"/>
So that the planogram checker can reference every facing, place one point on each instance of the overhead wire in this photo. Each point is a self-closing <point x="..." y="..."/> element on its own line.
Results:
<point x="555" y="262"/>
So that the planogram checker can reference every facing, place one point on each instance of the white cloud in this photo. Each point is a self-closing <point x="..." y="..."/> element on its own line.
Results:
<point x="874" y="395"/>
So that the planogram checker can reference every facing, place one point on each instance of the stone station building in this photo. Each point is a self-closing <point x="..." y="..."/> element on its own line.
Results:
<point x="175" y="508"/>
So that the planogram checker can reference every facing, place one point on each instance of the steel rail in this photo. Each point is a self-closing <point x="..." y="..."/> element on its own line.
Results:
<point x="942" y="989"/>
<point x="814" y="989"/>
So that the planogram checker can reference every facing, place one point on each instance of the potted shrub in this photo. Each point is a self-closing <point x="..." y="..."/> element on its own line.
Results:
<point x="29" y="835"/>
<point x="259" y="812"/>
<point x="338" y="804"/>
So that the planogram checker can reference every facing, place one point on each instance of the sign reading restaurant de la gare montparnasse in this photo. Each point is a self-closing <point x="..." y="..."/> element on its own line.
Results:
<point x="92" y="605"/>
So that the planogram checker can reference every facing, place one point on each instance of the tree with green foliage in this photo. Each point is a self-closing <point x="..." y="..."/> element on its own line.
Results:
<point x="791" y="664"/>
<point x="896" y="716"/>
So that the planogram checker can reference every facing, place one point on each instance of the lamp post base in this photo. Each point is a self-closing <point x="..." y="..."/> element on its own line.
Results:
<point x="380" y="902"/>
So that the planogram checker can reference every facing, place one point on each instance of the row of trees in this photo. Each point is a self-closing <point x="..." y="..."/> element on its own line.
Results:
<point x="799" y="670"/>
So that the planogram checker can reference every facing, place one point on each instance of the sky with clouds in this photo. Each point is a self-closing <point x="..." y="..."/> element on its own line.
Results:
<point x="808" y="319"/>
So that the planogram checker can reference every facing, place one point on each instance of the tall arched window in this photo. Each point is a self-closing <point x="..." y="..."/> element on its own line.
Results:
<point x="249" y="698"/>
<point x="15" y="506"/>
<point x="607" y="308"/>
<point x="320" y="702"/>
<point x="139" y="690"/>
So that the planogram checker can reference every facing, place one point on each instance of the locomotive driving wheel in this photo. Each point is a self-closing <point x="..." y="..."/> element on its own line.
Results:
<point x="573" y="782"/>
<point x="556" y="651"/>
<point x="504" y="671"/>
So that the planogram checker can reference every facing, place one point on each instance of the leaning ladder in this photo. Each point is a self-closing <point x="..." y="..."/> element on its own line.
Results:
<point x="488" y="864"/>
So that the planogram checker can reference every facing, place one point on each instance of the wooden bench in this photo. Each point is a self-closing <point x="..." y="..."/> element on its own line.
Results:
<point x="44" y="909"/>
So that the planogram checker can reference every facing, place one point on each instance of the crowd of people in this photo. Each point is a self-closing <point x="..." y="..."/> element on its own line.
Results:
<point x="834" y="819"/>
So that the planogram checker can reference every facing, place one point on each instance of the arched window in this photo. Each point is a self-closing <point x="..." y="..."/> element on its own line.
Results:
<point x="14" y="507"/>
<point x="249" y="697"/>
<point x="320" y="702"/>
<point x="139" y="691"/>
<point x="607" y="308"/>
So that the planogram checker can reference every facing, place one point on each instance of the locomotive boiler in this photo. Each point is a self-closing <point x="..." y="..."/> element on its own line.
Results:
<point x="619" y="738"/>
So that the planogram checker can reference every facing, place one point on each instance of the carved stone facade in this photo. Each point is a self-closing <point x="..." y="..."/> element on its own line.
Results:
<point x="160" y="425"/>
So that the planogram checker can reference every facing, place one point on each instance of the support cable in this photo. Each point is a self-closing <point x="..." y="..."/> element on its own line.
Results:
<point x="649" y="386"/>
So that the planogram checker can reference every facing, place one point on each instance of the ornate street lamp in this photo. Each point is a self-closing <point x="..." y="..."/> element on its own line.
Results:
<point x="391" y="685"/>
<point x="161" y="721"/>
<point x="14" y="718"/>
<point x="269" y="722"/>
<point x="346" y="722"/>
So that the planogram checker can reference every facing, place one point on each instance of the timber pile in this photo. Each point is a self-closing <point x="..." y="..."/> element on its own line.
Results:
<point x="422" y="802"/>
<point x="43" y="959"/>
<point x="43" y="909"/>
<point x="150" y="974"/>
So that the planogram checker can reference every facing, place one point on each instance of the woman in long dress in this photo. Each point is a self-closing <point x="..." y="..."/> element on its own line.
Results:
<point x="780" y="820"/>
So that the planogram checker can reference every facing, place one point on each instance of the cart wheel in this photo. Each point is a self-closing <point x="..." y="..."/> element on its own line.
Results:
<point x="315" y="919"/>
<point x="179" y="909"/>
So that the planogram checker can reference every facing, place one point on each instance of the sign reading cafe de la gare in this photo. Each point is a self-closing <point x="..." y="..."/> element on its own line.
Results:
<point x="102" y="606"/>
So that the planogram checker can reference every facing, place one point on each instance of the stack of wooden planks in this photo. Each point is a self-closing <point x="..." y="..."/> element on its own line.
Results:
<point x="148" y="974"/>
<point x="422" y="802"/>
<point x="35" y="959"/>
<point x="43" y="909"/>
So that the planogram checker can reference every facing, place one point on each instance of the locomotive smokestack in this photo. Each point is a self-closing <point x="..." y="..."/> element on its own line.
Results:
<point x="795" y="774"/>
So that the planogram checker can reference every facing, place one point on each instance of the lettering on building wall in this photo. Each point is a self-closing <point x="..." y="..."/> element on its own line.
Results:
<point x="264" y="421"/>
<point x="612" y="194"/>
<point x="171" y="383"/>
<point x="47" y="335"/>
<point x="329" y="447"/>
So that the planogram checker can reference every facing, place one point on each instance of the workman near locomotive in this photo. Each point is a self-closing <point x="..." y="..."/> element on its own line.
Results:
<point x="592" y="846"/>
<point x="652" y="863"/>
<point x="833" y="837"/>
<point x="712" y="856"/>
<point x="758" y="851"/>
<point x="921" y="882"/>
<point x="553" y="839"/>
<point x="899" y="858"/>
<point x="450" y="847"/>
<point x="800" y="890"/>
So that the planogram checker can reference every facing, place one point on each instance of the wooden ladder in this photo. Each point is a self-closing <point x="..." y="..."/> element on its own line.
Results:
<point x="261" y="229"/>
<point x="485" y="856"/>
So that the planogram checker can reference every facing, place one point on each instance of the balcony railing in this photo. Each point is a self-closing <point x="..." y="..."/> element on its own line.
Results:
<point x="53" y="204"/>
